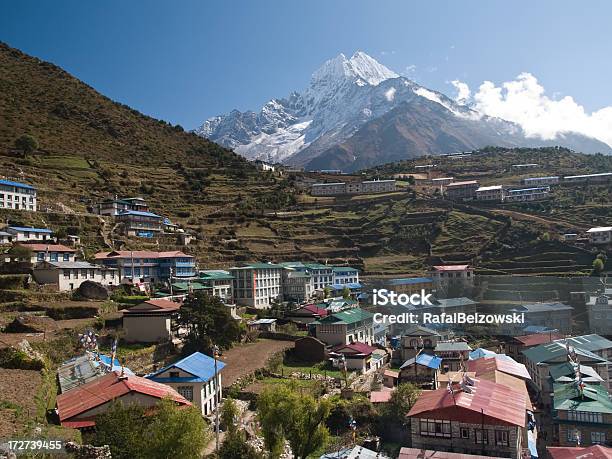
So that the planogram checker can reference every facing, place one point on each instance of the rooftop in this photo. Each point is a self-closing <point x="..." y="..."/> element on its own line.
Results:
<point x="572" y="452"/>
<point x="593" y="398"/>
<point x="348" y="317"/>
<point x="139" y="213"/>
<point x="542" y="307"/>
<point x="446" y="346"/>
<point x="600" y="229"/>
<point x="83" y="369"/>
<point x="451" y="267"/>
<point x="410" y="281"/>
<point x="427" y="360"/>
<point x="29" y="229"/>
<point x="537" y="338"/>
<point x="557" y="352"/>
<point x="458" y="184"/>
<point x="16" y="184"/>
<point x="418" y="453"/>
<point x="48" y="247"/>
<point x="505" y="365"/>
<point x="141" y="254"/>
<point x="200" y="366"/>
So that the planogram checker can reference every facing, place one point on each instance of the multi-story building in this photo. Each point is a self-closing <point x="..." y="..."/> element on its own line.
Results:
<point x="600" y="235"/>
<point x="539" y="181"/>
<point x="346" y="327"/>
<point x="490" y="193"/>
<point x="27" y="234"/>
<point x="345" y="275"/>
<point x="599" y="309"/>
<point x="139" y="223"/>
<point x="527" y="194"/>
<point x="49" y="252"/>
<point x="298" y="286"/>
<point x="459" y="191"/>
<point x="409" y="285"/>
<point x="557" y="316"/>
<point x="377" y="186"/>
<point x="581" y="416"/>
<point x="194" y="378"/>
<point x="69" y="275"/>
<point x="258" y="285"/>
<point x="221" y="282"/>
<point x="475" y="417"/>
<point x="418" y="339"/>
<point x="142" y="266"/>
<point x="515" y="347"/>
<point x="18" y="196"/>
<point x="452" y="353"/>
<point x="113" y="207"/>
<point x="328" y="189"/>
<point x="339" y="188"/>
<point x="446" y="276"/>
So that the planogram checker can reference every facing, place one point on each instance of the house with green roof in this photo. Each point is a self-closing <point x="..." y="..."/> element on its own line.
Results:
<point x="221" y="282"/>
<point x="581" y="413"/>
<point x="346" y="327"/>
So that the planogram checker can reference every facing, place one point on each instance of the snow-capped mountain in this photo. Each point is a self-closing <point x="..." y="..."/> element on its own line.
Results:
<point x="347" y="95"/>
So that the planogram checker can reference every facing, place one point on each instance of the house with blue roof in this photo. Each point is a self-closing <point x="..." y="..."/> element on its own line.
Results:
<point x="17" y="196"/>
<point x="140" y="223"/>
<point x="194" y="378"/>
<point x="29" y="234"/>
<point x="421" y="370"/>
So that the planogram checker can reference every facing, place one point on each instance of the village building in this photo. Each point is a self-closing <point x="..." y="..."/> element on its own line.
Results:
<point x="409" y="285"/>
<point x="5" y="238"/>
<point x="193" y="377"/>
<point x="381" y="396"/>
<point x="601" y="177"/>
<point x="453" y="354"/>
<point x="221" y="282"/>
<point x="441" y="181"/>
<point x="449" y="276"/>
<point x="143" y="266"/>
<point x="340" y="188"/>
<point x="421" y="370"/>
<point x="517" y="344"/>
<point x="539" y="181"/>
<point x="85" y="368"/>
<point x="596" y="344"/>
<point x="258" y="285"/>
<point x="345" y="275"/>
<point x="557" y="316"/>
<point x="263" y="325"/>
<point x="345" y="327"/>
<point x="599" y="310"/>
<point x="460" y="191"/>
<point x="29" y="234"/>
<point x="298" y="286"/>
<point x="139" y="223"/>
<point x="358" y="356"/>
<point x="113" y="207"/>
<point x="490" y="193"/>
<point x="600" y="235"/>
<point x="69" y="275"/>
<point x="481" y="417"/>
<point x="581" y="416"/>
<point x="417" y="339"/>
<point x="77" y="408"/>
<point x="17" y="196"/>
<point x="527" y="194"/>
<point x="377" y="186"/>
<point x="149" y="321"/>
<point x="49" y="252"/>
<point x="310" y="349"/>
<point x="306" y="314"/>
<point x="390" y="378"/>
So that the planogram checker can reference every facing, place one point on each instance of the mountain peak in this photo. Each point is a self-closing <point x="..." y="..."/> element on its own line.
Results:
<point x="360" y="68"/>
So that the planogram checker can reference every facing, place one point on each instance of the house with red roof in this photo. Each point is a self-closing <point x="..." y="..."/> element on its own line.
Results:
<point x="518" y="344"/>
<point x="48" y="252"/>
<point x="149" y="321"/>
<point x="476" y="417"/>
<point x="78" y="407"/>
<point x="569" y="452"/>
<point x="306" y="314"/>
<point x="358" y="356"/>
<point x="447" y="276"/>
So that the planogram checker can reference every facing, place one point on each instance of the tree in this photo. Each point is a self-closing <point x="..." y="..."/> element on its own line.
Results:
<point x="285" y="414"/>
<point x="402" y="399"/>
<point x="20" y="252"/>
<point x="26" y="144"/>
<point x="346" y="293"/>
<point x="229" y="415"/>
<point x="235" y="447"/>
<point x="327" y="292"/>
<point x="598" y="266"/>
<point x="123" y="428"/>
<point x="208" y="321"/>
<point x="177" y="432"/>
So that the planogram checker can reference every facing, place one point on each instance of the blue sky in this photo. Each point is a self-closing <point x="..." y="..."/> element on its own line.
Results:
<point x="184" y="61"/>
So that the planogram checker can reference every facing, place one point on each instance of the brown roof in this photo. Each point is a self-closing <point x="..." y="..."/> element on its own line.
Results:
<point x="537" y="338"/>
<point x="140" y="254"/>
<point x="487" y="364"/>
<point x="48" y="247"/>
<point x="415" y="453"/>
<point x="381" y="396"/>
<point x="154" y="305"/>
<point x="510" y="381"/>
<point x="393" y="374"/>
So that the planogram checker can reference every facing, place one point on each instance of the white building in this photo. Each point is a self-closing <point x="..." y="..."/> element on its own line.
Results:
<point x="258" y="284"/>
<point x="69" y="275"/>
<point x="527" y="194"/>
<point x="377" y="186"/>
<point x="490" y="193"/>
<point x="25" y="234"/>
<point x="540" y="181"/>
<point x="328" y="189"/>
<point x="339" y="188"/>
<point x="49" y="252"/>
<point x="221" y="282"/>
<point x="297" y="285"/>
<point x="600" y="235"/>
<point x="345" y="275"/>
<point x="18" y="196"/>
<point x="452" y="275"/>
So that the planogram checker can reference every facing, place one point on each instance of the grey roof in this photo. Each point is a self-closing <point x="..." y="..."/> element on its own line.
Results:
<point x="591" y="342"/>
<point x="557" y="352"/>
<point x="4" y="233"/>
<point x="452" y="346"/>
<point x="419" y="330"/>
<point x="542" y="307"/>
<point x="453" y="302"/>
<point x="75" y="265"/>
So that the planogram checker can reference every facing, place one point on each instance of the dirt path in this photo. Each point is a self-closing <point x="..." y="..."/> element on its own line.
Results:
<point x="245" y="359"/>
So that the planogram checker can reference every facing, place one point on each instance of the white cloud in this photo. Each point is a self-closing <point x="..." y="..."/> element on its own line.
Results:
<point x="523" y="101"/>
<point x="390" y="94"/>
<point x="463" y="91"/>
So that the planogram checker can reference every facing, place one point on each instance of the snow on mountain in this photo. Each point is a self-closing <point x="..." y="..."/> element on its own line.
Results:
<point x="343" y="96"/>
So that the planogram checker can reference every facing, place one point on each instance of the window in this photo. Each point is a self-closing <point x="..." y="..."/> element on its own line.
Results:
<point x="465" y="432"/>
<point x="186" y="391"/>
<point x="174" y="374"/>
<point x="53" y="256"/>
<point x="598" y="437"/>
<point x="501" y="437"/>
<point x="434" y="428"/>
<point x="572" y="435"/>
<point x="66" y="257"/>
<point x="40" y="256"/>
<point x="585" y="416"/>
<point x="481" y="435"/>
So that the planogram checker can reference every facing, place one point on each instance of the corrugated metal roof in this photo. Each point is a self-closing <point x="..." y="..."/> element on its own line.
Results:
<point x="30" y="229"/>
<point x="591" y="342"/>
<point x="593" y="398"/>
<point x="556" y="351"/>
<point x="591" y="452"/>
<point x="201" y="366"/>
<point x="410" y="281"/>
<point x="83" y="369"/>
<point x="488" y="402"/>
<point x="417" y="453"/>
<point x="448" y="346"/>
<point x="16" y="184"/>
<point x="537" y="338"/>
<point x="427" y="360"/>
